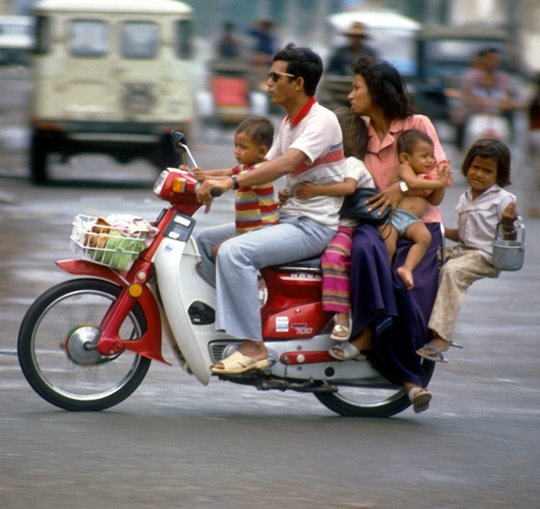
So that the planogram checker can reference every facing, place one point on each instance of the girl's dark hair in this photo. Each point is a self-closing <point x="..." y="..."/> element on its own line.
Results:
<point x="302" y="63"/>
<point x="490" y="148"/>
<point x="386" y="87"/>
<point x="409" y="138"/>
<point x="259" y="129"/>
<point x="355" y="133"/>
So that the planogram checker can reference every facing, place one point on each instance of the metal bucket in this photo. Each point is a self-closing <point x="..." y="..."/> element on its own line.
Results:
<point x="509" y="254"/>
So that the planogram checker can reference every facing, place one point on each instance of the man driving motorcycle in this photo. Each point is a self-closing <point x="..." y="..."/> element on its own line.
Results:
<point x="308" y="148"/>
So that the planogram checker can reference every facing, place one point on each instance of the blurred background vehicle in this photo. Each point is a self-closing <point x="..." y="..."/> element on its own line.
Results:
<point x="111" y="78"/>
<point x="443" y="54"/>
<point x="16" y="39"/>
<point x="233" y="93"/>
<point x="234" y="84"/>
<point x="318" y="24"/>
<point x="392" y="35"/>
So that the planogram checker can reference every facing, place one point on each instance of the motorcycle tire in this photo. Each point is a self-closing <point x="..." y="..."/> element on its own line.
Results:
<point x="57" y="358"/>
<point x="366" y="402"/>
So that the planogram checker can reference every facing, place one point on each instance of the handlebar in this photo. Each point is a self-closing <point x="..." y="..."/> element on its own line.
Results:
<point x="179" y="144"/>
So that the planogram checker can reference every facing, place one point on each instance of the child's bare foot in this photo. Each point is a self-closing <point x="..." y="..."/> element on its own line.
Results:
<point x="406" y="276"/>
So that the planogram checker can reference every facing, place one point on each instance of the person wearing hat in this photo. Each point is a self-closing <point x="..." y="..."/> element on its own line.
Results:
<point x="228" y="45"/>
<point x="340" y="63"/>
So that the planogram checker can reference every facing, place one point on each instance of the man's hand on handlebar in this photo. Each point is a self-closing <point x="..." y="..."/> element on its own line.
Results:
<point x="213" y="187"/>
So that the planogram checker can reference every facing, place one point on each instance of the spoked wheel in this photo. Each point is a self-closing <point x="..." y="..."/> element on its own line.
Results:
<point x="365" y="401"/>
<point x="56" y="347"/>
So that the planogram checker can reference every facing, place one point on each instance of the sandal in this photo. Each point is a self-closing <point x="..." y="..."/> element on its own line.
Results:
<point x="237" y="363"/>
<point x="340" y="333"/>
<point x="434" y="355"/>
<point x="346" y="352"/>
<point x="420" y="398"/>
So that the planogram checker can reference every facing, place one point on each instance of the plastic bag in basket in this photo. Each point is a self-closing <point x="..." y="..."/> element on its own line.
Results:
<point x="118" y="239"/>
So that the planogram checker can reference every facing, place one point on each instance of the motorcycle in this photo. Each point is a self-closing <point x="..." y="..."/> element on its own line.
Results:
<point x="86" y="344"/>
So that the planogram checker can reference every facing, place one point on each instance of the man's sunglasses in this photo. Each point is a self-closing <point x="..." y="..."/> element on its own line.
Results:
<point x="275" y="75"/>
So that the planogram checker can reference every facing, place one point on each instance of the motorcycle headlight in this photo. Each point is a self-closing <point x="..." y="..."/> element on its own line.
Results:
<point x="158" y="185"/>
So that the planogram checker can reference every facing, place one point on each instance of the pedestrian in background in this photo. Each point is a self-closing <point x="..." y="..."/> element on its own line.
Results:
<point x="356" y="47"/>
<point x="533" y="184"/>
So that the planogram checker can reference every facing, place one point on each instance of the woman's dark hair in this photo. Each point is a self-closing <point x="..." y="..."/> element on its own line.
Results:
<point x="386" y="87"/>
<point x="302" y="63"/>
<point x="259" y="129"/>
<point x="355" y="133"/>
<point x="490" y="148"/>
<point x="409" y="138"/>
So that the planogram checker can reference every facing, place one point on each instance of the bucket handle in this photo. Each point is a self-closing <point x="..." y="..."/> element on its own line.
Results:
<point x="519" y="226"/>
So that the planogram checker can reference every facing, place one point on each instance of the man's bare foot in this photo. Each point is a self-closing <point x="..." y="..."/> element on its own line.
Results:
<point x="254" y="349"/>
<point x="406" y="276"/>
<point x="251" y="354"/>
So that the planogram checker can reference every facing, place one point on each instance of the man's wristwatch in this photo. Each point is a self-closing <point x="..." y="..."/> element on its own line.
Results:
<point x="236" y="184"/>
<point x="403" y="187"/>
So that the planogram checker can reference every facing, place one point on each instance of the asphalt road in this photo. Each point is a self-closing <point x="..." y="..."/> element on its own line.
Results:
<point x="177" y="444"/>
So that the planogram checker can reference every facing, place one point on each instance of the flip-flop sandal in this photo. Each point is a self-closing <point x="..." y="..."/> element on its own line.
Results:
<point x="346" y="352"/>
<point x="238" y="363"/>
<point x="420" y="398"/>
<point x="340" y="333"/>
<point x="436" y="357"/>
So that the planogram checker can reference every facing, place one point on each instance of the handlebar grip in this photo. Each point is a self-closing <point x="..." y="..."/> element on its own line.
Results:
<point x="216" y="192"/>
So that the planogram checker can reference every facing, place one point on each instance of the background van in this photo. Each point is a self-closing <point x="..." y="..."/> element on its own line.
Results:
<point x="110" y="77"/>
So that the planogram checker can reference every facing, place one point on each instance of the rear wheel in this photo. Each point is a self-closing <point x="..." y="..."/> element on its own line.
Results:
<point x="365" y="401"/>
<point x="56" y="347"/>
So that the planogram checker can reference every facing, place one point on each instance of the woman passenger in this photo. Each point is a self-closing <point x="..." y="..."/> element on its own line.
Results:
<point x="389" y="321"/>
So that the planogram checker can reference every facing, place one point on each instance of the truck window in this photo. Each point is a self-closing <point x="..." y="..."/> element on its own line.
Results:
<point x="43" y="35"/>
<point x="139" y="39"/>
<point x="183" y="39"/>
<point x="88" y="38"/>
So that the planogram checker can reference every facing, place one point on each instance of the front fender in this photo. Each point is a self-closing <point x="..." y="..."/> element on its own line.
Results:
<point x="149" y="345"/>
<point x="84" y="268"/>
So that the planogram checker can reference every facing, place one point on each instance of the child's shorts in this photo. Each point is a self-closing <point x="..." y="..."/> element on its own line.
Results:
<point x="402" y="219"/>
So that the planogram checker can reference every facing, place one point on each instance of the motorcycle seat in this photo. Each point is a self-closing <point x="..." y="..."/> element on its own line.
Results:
<point x="309" y="265"/>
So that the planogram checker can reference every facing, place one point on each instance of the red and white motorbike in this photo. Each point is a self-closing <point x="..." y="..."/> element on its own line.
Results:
<point x="87" y="343"/>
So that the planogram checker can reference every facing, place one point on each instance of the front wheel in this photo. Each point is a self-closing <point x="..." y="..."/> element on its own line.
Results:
<point x="352" y="401"/>
<point x="56" y="347"/>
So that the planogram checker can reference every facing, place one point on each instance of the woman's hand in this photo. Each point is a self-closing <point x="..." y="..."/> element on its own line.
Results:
<point x="283" y="196"/>
<point x="388" y="198"/>
<point x="305" y="190"/>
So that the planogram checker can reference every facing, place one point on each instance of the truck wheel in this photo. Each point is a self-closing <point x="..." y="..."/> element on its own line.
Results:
<point x="38" y="160"/>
